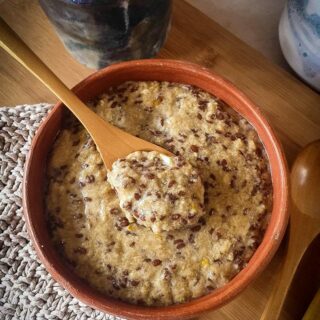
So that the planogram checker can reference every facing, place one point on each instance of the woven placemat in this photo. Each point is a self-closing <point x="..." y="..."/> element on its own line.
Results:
<point x="27" y="291"/>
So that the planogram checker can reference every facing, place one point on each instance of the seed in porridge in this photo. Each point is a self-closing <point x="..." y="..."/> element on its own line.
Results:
<point x="168" y="140"/>
<point x="72" y="180"/>
<point x="193" y="178"/>
<point x="81" y="184"/>
<point x="180" y="245"/>
<point x="114" y="211"/>
<point x="123" y="222"/>
<point x="202" y="105"/>
<point x="156" y="262"/>
<point x="80" y="250"/>
<point x="125" y="272"/>
<point x="78" y="216"/>
<point x="196" y="228"/>
<point x="173" y="198"/>
<point x="156" y="132"/>
<point x="136" y="214"/>
<point x="171" y="183"/>
<point x="123" y="283"/>
<point x="258" y="152"/>
<point x="87" y="199"/>
<point x="127" y="205"/>
<point x="56" y="222"/>
<point x="194" y="148"/>
<point x="137" y="196"/>
<point x="191" y="237"/>
<point x="134" y="283"/>
<point x="191" y="215"/>
<point x="254" y="190"/>
<point x="115" y="285"/>
<point x="90" y="178"/>
<point x="173" y="266"/>
<point x="150" y="176"/>
<point x="167" y="274"/>
<point x="170" y="237"/>
<point x="176" y="216"/>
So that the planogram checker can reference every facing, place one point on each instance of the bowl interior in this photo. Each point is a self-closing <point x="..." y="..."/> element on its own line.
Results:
<point x="161" y="70"/>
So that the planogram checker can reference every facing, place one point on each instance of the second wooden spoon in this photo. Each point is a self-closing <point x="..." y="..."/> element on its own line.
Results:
<point x="304" y="222"/>
<point x="111" y="142"/>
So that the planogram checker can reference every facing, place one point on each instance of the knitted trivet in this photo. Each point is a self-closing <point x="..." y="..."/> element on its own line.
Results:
<point x="27" y="291"/>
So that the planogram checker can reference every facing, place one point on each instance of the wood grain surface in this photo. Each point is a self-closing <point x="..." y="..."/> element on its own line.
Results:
<point x="292" y="108"/>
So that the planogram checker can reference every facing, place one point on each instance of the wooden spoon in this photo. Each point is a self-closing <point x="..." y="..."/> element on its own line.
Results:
<point x="304" y="222"/>
<point x="112" y="142"/>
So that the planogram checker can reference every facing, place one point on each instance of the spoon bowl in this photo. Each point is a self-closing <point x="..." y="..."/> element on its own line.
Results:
<point x="305" y="181"/>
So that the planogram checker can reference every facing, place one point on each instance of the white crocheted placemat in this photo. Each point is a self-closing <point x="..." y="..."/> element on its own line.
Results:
<point x="27" y="291"/>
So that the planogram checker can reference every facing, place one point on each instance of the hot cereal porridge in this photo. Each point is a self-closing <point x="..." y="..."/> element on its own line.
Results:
<point x="191" y="226"/>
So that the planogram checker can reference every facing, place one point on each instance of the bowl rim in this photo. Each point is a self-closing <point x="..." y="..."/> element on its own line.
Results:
<point x="260" y="258"/>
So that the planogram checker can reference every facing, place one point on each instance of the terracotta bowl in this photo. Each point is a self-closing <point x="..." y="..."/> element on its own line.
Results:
<point x="174" y="71"/>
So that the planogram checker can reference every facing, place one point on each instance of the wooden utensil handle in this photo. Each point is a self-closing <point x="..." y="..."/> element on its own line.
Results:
<point x="298" y="244"/>
<point x="13" y="44"/>
<point x="281" y="287"/>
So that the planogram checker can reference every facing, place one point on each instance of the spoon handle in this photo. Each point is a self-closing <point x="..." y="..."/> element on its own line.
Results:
<point x="112" y="142"/>
<point x="13" y="44"/>
<point x="299" y="241"/>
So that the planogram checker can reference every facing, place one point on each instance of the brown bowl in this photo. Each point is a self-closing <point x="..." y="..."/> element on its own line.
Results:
<point x="174" y="71"/>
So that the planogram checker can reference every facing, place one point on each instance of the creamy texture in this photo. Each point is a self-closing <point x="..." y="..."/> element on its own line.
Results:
<point x="128" y="260"/>
<point x="160" y="192"/>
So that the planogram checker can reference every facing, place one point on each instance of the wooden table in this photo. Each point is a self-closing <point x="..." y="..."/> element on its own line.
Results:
<point x="291" y="107"/>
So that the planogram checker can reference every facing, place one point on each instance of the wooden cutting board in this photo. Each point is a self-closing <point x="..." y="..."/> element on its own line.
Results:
<point x="292" y="108"/>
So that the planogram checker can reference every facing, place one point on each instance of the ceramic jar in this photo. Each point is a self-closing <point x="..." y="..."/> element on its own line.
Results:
<point x="101" y="32"/>
<point x="299" y="33"/>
